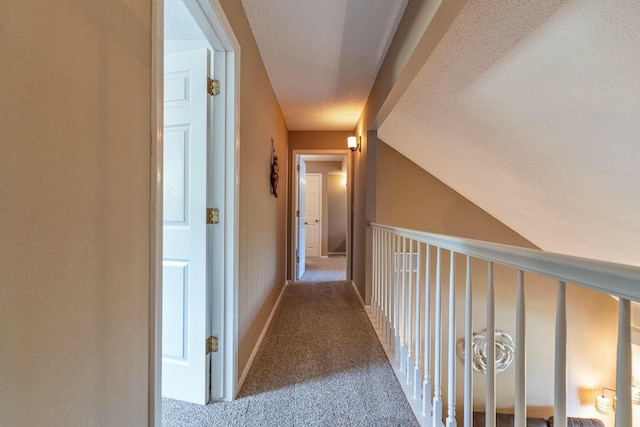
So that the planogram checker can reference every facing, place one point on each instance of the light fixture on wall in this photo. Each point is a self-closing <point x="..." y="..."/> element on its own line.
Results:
<point x="604" y="404"/>
<point x="635" y="395"/>
<point x="354" y="144"/>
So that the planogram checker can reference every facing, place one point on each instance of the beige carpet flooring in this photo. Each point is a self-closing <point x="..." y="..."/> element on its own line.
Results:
<point x="325" y="269"/>
<point x="320" y="364"/>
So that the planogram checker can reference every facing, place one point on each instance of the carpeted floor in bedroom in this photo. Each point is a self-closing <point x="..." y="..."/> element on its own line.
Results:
<point x="320" y="364"/>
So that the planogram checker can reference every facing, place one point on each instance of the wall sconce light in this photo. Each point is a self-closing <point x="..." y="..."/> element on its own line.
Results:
<point x="603" y="403"/>
<point x="354" y="144"/>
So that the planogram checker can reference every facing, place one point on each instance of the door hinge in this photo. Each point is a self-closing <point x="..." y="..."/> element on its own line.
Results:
<point x="213" y="216"/>
<point x="298" y="168"/>
<point x="213" y="86"/>
<point x="212" y="345"/>
<point x="297" y="260"/>
<point x="298" y="214"/>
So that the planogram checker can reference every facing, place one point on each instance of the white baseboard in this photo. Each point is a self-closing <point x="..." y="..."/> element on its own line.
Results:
<point x="415" y="403"/>
<point x="357" y="292"/>
<point x="260" y="338"/>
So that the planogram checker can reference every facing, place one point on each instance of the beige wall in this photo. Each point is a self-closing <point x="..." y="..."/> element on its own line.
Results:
<point x="413" y="42"/>
<point x="262" y="217"/>
<point x="334" y="141"/>
<point x="323" y="168"/>
<point x="337" y="223"/>
<point x="74" y="201"/>
<point x="409" y="197"/>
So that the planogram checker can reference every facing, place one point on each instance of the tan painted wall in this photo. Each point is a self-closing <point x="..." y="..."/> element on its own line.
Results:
<point x="409" y="197"/>
<point x="74" y="203"/>
<point x="336" y="141"/>
<point x="262" y="217"/>
<point x="422" y="26"/>
<point x="337" y="224"/>
<point x="323" y="168"/>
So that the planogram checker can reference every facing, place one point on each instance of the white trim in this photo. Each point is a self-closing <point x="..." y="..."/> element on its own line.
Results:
<point x="260" y="338"/>
<point x="357" y="293"/>
<point x="292" y="181"/>
<point x="615" y="279"/>
<point x="208" y="13"/>
<point x="416" y="404"/>
<point x="155" y="214"/>
<point x="219" y="25"/>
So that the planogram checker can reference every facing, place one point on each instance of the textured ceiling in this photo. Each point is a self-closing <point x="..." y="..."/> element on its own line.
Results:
<point x="322" y="56"/>
<point x="532" y="111"/>
<point x="178" y="22"/>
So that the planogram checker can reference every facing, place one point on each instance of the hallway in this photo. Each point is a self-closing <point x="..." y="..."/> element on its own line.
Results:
<point x="327" y="269"/>
<point x="320" y="364"/>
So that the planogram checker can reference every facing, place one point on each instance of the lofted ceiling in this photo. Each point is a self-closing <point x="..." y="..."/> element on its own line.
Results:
<point x="532" y="111"/>
<point x="322" y="56"/>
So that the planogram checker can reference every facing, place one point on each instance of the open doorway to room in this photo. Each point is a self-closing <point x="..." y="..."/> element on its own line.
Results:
<point x="321" y="226"/>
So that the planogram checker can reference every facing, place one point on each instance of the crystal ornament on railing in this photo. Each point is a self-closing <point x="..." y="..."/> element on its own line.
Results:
<point x="504" y="353"/>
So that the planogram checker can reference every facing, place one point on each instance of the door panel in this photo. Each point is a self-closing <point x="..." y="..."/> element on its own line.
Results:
<point x="185" y="367"/>
<point x="313" y="213"/>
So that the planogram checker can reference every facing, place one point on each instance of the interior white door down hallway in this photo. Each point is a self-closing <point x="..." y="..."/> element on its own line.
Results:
<point x="313" y="215"/>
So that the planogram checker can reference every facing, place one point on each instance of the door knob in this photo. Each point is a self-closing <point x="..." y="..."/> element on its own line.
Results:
<point x="317" y="220"/>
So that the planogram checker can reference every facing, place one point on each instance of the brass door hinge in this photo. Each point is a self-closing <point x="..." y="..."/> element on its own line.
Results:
<point x="212" y="345"/>
<point x="213" y="216"/>
<point x="213" y="86"/>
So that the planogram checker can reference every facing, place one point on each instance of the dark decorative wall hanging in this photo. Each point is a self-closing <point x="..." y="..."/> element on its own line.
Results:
<point x="274" y="170"/>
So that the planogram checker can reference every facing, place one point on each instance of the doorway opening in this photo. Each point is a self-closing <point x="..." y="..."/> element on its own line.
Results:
<point x="320" y="225"/>
<point x="194" y="171"/>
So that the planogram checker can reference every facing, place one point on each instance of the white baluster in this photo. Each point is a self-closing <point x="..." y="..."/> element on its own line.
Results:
<point x="468" y="357"/>
<point x="396" y="297"/>
<point x="410" y="362"/>
<point x="417" y="372"/>
<point x="403" y="308"/>
<point x="380" y="284"/>
<point x="490" y="409"/>
<point x="521" y="357"/>
<point x="437" y="354"/>
<point x="383" y="281"/>
<point x="560" y="390"/>
<point x="375" y="309"/>
<point x="426" y="383"/>
<point x="451" y="365"/>
<point x="624" y="413"/>
<point x="390" y="333"/>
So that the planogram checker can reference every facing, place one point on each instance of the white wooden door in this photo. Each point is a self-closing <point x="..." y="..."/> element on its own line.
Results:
<point x="302" y="196"/>
<point x="313" y="231"/>
<point x="185" y="368"/>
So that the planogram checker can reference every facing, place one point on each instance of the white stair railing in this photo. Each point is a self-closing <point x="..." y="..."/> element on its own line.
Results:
<point x="407" y="310"/>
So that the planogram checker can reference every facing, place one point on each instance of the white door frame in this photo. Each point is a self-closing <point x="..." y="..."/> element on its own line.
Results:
<point x="292" y="182"/>
<point x="216" y="28"/>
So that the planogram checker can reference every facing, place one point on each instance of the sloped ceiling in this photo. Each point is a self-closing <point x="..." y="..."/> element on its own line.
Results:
<point x="532" y="111"/>
<point x="322" y="56"/>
